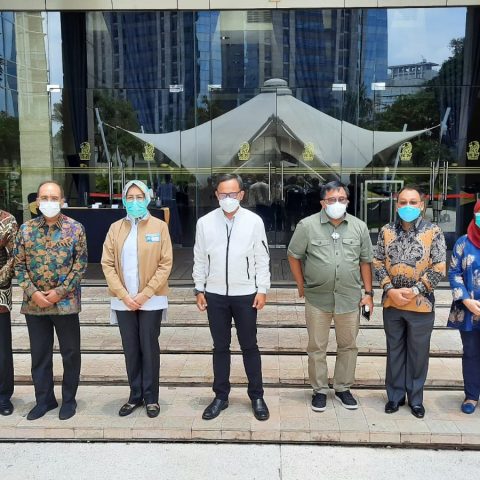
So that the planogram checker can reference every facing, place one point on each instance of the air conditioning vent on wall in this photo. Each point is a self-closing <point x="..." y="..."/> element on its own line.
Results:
<point x="259" y="16"/>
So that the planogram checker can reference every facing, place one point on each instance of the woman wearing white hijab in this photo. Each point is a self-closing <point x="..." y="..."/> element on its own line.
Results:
<point x="136" y="262"/>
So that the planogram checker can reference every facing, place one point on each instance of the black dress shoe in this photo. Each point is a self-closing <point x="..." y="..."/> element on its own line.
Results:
<point x="67" y="410"/>
<point x="128" y="408"/>
<point x="153" y="409"/>
<point x="214" y="409"/>
<point x="392" y="407"/>
<point x="38" y="411"/>
<point x="260" y="409"/>
<point x="418" y="410"/>
<point x="6" y="408"/>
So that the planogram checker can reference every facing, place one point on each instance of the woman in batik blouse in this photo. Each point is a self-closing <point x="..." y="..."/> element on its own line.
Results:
<point x="464" y="277"/>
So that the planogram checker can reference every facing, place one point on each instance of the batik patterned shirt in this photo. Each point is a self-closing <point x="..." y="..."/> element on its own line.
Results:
<point x="8" y="229"/>
<point x="464" y="277"/>
<point x="51" y="257"/>
<point x="407" y="258"/>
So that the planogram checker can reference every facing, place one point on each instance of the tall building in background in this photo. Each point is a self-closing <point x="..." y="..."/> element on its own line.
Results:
<point x="8" y="65"/>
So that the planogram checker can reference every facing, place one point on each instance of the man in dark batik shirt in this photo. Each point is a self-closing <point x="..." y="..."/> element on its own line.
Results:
<point x="50" y="261"/>
<point x="409" y="261"/>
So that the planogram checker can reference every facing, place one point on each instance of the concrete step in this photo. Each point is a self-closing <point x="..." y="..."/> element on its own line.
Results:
<point x="196" y="339"/>
<point x="291" y="419"/>
<point x="185" y="295"/>
<point x="196" y="369"/>
<point x="188" y="315"/>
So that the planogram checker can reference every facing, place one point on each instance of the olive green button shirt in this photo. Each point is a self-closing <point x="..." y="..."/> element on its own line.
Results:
<point x="331" y="266"/>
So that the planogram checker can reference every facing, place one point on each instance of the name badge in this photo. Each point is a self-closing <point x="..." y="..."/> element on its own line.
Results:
<point x="152" y="237"/>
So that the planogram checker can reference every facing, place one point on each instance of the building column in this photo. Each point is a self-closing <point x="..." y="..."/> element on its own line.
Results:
<point x="33" y="103"/>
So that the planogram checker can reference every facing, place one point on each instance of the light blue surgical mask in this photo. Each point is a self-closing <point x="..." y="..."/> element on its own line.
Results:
<point x="477" y="219"/>
<point x="408" y="213"/>
<point x="136" y="208"/>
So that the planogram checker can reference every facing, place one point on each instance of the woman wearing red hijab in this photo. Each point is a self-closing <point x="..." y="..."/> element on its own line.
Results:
<point x="464" y="277"/>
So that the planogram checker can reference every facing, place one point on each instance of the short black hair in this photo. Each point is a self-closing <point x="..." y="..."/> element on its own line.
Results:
<point x="333" y="185"/>
<point x="229" y="176"/>
<point x="412" y="187"/>
<point x="62" y="194"/>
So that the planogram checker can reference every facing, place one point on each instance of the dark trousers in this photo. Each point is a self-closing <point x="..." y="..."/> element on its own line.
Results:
<point x="408" y="348"/>
<point x="6" y="358"/>
<point x="471" y="364"/>
<point x="221" y="309"/>
<point x="140" y="331"/>
<point x="40" y="331"/>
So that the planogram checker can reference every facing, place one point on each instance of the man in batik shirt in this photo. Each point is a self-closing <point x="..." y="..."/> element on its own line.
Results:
<point x="409" y="262"/>
<point x="50" y="261"/>
<point x="8" y="229"/>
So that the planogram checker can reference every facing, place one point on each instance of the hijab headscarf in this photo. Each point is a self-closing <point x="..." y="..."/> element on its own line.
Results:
<point x="473" y="232"/>
<point x="141" y="186"/>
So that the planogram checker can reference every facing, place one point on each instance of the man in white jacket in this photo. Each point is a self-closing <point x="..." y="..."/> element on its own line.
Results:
<point x="231" y="274"/>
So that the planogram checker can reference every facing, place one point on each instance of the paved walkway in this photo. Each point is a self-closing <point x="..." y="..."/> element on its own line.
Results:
<point x="292" y="419"/>
<point x="122" y="461"/>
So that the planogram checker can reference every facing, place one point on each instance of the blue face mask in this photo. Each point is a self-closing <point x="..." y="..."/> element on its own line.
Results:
<point x="408" y="213"/>
<point x="477" y="219"/>
<point x="136" y="208"/>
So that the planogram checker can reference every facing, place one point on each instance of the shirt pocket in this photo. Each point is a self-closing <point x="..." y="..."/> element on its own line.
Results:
<point x="351" y="249"/>
<point x="321" y="249"/>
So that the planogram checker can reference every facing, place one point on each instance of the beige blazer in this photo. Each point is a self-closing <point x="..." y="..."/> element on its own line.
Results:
<point x="155" y="257"/>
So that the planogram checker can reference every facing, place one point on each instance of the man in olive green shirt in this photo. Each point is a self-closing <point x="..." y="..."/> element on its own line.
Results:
<point x="330" y="254"/>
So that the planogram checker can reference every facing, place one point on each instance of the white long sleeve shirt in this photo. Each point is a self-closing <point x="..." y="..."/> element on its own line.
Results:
<point x="231" y="257"/>
<point x="130" y="274"/>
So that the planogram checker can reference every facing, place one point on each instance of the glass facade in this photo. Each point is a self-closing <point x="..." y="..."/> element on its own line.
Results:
<point x="287" y="98"/>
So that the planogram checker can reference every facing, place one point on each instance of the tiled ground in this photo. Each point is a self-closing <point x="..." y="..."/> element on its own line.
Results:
<point x="292" y="419"/>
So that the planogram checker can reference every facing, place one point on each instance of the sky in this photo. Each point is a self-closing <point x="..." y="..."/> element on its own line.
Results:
<point x="419" y="33"/>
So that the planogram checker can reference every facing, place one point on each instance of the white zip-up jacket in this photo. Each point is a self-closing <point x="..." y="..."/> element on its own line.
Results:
<point x="231" y="259"/>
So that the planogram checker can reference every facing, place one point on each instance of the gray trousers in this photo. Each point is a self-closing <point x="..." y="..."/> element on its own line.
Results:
<point x="408" y="347"/>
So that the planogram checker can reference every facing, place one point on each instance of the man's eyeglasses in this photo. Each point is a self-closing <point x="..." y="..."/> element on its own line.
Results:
<point x="332" y="200"/>
<point x="223" y="196"/>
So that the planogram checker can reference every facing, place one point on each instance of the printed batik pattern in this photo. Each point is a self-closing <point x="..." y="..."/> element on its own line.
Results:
<point x="51" y="257"/>
<point x="464" y="277"/>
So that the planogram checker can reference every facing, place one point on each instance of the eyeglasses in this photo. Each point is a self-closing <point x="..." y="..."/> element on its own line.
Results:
<point x="223" y="196"/>
<point x="332" y="200"/>
<point x="413" y="203"/>
<point x="138" y="198"/>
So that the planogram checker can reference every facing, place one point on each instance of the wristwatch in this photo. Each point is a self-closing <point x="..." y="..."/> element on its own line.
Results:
<point x="415" y="290"/>
<point x="196" y="292"/>
<point x="371" y="293"/>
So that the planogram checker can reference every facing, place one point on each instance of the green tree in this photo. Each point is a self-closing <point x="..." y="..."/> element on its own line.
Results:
<point x="9" y="138"/>
<point x="117" y="112"/>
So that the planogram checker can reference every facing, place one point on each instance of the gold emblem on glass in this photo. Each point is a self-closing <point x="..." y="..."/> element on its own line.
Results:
<point x="244" y="152"/>
<point x="308" y="152"/>
<point x="473" y="152"/>
<point x="406" y="151"/>
<point x="149" y="152"/>
<point x="85" y="151"/>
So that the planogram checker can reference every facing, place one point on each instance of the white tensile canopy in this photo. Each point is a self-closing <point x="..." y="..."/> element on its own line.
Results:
<point x="272" y="122"/>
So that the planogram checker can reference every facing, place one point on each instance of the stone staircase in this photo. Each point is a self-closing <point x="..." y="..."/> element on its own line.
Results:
<point x="186" y="377"/>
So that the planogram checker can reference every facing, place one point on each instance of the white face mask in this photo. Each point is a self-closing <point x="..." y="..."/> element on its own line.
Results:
<point x="336" y="211"/>
<point x="50" y="209"/>
<point x="229" y="205"/>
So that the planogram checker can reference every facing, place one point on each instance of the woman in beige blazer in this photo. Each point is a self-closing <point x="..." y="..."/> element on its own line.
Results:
<point x="136" y="262"/>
